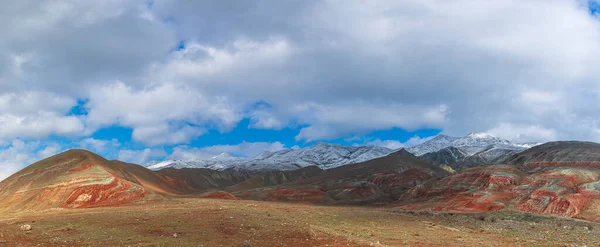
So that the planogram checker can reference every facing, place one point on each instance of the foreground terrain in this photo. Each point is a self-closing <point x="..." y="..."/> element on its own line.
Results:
<point x="212" y="222"/>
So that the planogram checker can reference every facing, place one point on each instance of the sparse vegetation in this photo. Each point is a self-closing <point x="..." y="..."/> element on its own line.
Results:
<point x="232" y="223"/>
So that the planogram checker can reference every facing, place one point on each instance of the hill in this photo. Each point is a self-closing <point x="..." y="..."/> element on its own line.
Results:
<point x="552" y="154"/>
<point x="375" y="181"/>
<point x="469" y="151"/>
<point x="79" y="179"/>
<point x="558" y="178"/>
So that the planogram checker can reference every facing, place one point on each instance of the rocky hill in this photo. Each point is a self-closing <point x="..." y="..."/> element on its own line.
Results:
<point x="80" y="179"/>
<point x="468" y="151"/>
<point x="558" y="178"/>
<point x="375" y="181"/>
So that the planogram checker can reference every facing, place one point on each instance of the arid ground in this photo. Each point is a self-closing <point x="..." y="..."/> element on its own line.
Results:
<point x="213" y="222"/>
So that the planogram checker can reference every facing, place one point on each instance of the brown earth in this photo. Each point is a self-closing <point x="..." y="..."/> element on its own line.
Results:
<point x="219" y="195"/>
<point x="210" y="222"/>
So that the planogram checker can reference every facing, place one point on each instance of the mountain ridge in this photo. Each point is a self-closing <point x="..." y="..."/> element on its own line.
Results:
<point x="323" y="155"/>
<point x="464" y="152"/>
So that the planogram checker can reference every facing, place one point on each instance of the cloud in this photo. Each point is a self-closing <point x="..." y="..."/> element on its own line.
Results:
<point x="526" y="70"/>
<point x="386" y="64"/>
<point x="164" y="134"/>
<point x="140" y="156"/>
<point x="244" y="149"/>
<point x="17" y="154"/>
<point x="523" y="133"/>
<point x="330" y="122"/>
<point x="99" y="146"/>
<point x="37" y="115"/>
<point x="67" y="46"/>
<point x="165" y="114"/>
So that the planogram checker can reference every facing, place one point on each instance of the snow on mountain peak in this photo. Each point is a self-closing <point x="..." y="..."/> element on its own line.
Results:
<point x="324" y="155"/>
<point x="435" y="144"/>
<point x="470" y="144"/>
<point x="327" y="155"/>
<point x="480" y="135"/>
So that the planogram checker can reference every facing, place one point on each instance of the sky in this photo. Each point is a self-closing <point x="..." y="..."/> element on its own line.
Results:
<point x="144" y="80"/>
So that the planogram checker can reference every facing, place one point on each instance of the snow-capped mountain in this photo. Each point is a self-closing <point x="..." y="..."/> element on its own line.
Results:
<point x="464" y="152"/>
<point x="476" y="142"/>
<point x="470" y="144"/>
<point x="220" y="162"/>
<point x="474" y="148"/>
<point x="435" y="144"/>
<point x="323" y="155"/>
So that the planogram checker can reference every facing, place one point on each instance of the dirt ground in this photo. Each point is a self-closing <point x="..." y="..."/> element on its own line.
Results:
<point x="213" y="222"/>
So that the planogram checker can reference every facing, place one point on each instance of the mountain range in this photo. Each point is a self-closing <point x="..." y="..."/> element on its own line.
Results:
<point x="464" y="152"/>
<point x="556" y="178"/>
<point x="323" y="155"/>
<point x="458" y="152"/>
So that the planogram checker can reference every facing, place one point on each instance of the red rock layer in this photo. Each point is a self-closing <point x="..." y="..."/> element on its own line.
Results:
<point x="559" y="191"/>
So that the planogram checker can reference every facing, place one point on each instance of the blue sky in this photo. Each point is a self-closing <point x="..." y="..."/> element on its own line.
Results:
<point x="145" y="80"/>
<point x="242" y="133"/>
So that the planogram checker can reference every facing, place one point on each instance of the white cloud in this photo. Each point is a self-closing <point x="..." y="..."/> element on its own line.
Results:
<point x="198" y="60"/>
<point x="330" y="122"/>
<point x="244" y="149"/>
<point x="161" y="114"/>
<point x="523" y="133"/>
<point x="99" y="146"/>
<point x="140" y="157"/>
<point x="523" y="69"/>
<point x="164" y="134"/>
<point x="17" y="154"/>
<point x="264" y="119"/>
<point x="37" y="115"/>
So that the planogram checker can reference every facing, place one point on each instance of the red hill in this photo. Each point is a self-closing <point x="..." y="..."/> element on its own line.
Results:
<point x="560" y="178"/>
<point x="80" y="179"/>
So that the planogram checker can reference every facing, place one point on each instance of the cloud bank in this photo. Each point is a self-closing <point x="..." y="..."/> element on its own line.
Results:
<point x="174" y="71"/>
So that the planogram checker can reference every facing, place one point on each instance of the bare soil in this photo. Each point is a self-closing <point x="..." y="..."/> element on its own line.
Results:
<point x="212" y="222"/>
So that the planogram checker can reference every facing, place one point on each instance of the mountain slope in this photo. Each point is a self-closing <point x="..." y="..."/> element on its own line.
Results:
<point x="470" y="150"/>
<point x="557" y="178"/>
<point x="219" y="162"/>
<point x="323" y="155"/>
<point x="435" y="144"/>
<point x="476" y="142"/>
<point x="568" y="153"/>
<point x="79" y="179"/>
<point x="378" y="180"/>
<point x="445" y="156"/>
